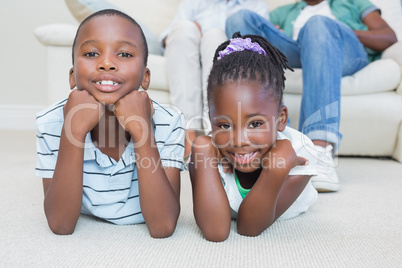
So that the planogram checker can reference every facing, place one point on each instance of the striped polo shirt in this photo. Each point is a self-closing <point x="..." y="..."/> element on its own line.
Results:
<point x="110" y="188"/>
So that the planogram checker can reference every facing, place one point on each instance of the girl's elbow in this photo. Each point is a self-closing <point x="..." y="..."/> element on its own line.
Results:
<point x="251" y="231"/>
<point x="216" y="233"/>
<point x="216" y="236"/>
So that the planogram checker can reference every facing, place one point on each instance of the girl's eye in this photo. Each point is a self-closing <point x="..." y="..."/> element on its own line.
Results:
<point x="225" y="126"/>
<point x="91" y="54"/>
<point x="255" y="124"/>
<point x="125" y="55"/>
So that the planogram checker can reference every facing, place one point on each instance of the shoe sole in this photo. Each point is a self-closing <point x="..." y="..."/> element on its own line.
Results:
<point x="325" y="187"/>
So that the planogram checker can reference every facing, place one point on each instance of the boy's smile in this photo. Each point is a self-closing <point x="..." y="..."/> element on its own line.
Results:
<point x="245" y="119"/>
<point x="109" y="59"/>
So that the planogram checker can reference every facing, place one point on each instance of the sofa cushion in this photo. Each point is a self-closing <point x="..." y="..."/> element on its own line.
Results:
<point x="57" y="34"/>
<point x="379" y="76"/>
<point x="81" y="9"/>
<point x="157" y="18"/>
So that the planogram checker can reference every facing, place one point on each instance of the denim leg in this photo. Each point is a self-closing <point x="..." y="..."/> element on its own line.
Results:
<point x="329" y="50"/>
<point x="248" y="22"/>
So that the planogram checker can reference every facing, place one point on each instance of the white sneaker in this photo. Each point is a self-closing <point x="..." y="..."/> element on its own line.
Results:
<point x="326" y="179"/>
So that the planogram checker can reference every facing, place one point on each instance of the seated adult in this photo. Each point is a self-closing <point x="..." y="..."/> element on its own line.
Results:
<point x="328" y="40"/>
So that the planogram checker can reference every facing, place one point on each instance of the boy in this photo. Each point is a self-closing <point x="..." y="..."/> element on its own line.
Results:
<point x="105" y="149"/>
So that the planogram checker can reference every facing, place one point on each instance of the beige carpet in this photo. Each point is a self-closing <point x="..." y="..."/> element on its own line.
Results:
<point x="360" y="226"/>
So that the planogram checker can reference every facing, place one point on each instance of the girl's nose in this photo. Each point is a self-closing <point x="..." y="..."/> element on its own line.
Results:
<point x="239" y="138"/>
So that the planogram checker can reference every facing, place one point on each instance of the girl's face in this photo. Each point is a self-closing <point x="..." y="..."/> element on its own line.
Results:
<point x="245" y="119"/>
<point x="109" y="59"/>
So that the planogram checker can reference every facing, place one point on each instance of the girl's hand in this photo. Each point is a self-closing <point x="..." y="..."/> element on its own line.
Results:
<point x="134" y="112"/>
<point x="82" y="113"/>
<point x="282" y="156"/>
<point x="227" y="166"/>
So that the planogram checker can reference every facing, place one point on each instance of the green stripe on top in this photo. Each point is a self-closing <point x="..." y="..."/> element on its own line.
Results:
<point x="243" y="192"/>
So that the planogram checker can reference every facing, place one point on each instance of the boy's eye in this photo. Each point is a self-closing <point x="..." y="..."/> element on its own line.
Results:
<point x="91" y="54"/>
<point x="225" y="126"/>
<point x="125" y="55"/>
<point x="255" y="124"/>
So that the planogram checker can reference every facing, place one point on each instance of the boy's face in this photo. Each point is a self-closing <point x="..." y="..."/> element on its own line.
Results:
<point x="109" y="59"/>
<point x="245" y="119"/>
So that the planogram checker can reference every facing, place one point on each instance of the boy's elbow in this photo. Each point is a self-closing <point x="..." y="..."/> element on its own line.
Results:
<point x="61" y="228"/>
<point x="162" y="230"/>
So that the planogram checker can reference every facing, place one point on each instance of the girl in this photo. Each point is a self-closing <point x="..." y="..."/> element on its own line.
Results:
<point x="253" y="167"/>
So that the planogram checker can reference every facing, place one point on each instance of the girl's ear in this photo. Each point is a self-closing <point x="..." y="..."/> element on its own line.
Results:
<point x="146" y="79"/>
<point x="71" y="78"/>
<point x="283" y="118"/>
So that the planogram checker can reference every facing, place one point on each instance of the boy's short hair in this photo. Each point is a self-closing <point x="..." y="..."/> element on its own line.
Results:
<point x="113" y="12"/>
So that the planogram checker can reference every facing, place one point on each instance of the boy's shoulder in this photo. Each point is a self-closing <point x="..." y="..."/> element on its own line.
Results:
<point x="51" y="114"/>
<point x="166" y="112"/>
<point x="168" y="121"/>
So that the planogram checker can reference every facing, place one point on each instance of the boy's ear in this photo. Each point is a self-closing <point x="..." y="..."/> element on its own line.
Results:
<point x="71" y="78"/>
<point x="283" y="118"/>
<point x="146" y="79"/>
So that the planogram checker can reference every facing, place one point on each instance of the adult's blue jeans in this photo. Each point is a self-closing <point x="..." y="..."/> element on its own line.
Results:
<point x="326" y="50"/>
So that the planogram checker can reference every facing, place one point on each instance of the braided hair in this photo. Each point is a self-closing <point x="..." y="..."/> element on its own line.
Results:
<point x="268" y="69"/>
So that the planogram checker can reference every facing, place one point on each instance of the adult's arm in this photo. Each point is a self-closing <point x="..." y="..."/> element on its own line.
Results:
<point x="379" y="35"/>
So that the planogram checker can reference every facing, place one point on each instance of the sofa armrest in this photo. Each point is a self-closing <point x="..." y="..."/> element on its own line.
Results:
<point x="395" y="52"/>
<point x="56" y="34"/>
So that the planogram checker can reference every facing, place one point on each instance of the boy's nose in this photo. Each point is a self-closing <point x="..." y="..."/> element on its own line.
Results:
<point x="107" y="64"/>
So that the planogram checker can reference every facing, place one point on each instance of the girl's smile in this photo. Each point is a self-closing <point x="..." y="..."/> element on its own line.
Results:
<point x="243" y="159"/>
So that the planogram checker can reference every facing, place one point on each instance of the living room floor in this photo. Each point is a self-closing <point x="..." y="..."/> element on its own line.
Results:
<point x="360" y="226"/>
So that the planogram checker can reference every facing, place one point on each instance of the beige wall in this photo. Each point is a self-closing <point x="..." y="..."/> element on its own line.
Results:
<point x="22" y="56"/>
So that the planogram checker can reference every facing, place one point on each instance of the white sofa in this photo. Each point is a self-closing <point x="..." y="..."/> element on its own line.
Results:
<point x="371" y="104"/>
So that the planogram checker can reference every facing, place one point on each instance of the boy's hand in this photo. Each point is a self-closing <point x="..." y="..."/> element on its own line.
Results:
<point x="282" y="156"/>
<point x="134" y="112"/>
<point x="81" y="113"/>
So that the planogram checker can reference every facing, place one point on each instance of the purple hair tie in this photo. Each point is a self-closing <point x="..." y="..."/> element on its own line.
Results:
<point x="240" y="44"/>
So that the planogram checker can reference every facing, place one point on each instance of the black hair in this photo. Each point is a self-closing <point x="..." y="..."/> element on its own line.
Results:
<point x="114" y="12"/>
<point x="268" y="69"/>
